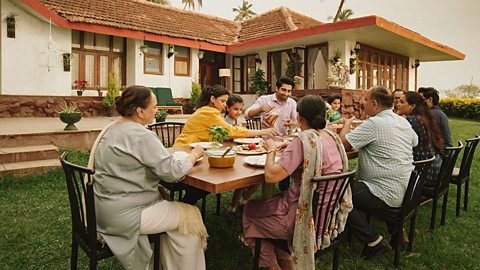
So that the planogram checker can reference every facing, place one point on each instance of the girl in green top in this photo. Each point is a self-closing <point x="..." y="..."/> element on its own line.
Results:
<point x="333" y="114"/>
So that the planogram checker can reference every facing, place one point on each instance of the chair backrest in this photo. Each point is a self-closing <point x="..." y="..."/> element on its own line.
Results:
<point x="80" y="193"/>
<point x="448" y="164"/>
<point x="413" y="194"/>
<point x="163" y="94"/>
<point x="254" y="123"/>
<point x="468" y="153"/>
<point x="330" y="190"/>
<point x="167" y="132"/>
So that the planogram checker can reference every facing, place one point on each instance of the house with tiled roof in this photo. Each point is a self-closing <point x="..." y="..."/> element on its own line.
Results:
<point x="56" y="42"/>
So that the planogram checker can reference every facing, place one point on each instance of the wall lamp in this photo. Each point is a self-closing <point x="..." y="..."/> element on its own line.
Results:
<point x="417" y="64"/>
<point x="356" y="49"/>
<point x="258" y="59"/>
<point x="171" y="51"/>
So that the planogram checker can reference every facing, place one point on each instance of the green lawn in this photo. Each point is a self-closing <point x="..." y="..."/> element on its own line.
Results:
<point x="35" y="228"/>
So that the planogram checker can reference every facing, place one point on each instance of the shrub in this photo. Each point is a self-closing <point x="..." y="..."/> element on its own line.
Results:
<point x="259" y="84"/>
<point x="194" y="94"/>
<point x="113" y="91"/>
<point x="461" y="107"/>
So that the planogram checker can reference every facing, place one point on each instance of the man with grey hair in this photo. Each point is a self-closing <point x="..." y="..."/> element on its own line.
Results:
<point x="385" y="142"/>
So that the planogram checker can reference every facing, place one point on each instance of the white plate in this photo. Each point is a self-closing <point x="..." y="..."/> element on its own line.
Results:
<point x="204" y="145"/>
<point x="248" y="140"/>
<point x="257" y="161"/>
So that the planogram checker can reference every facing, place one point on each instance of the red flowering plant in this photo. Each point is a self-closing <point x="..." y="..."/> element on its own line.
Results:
<point x="80" y="84"/>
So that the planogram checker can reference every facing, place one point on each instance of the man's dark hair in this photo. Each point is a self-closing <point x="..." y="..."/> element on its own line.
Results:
<point x="285" y="80"/>
<point x="399" y="90"/>
<point x="382" y="95"/>
<point x="430" y="92"/>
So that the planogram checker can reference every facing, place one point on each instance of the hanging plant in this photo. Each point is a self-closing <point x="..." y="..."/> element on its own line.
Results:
<point x="66" y="59"/>
<point x="10" y="20"/>
<point x="200" y="54"/>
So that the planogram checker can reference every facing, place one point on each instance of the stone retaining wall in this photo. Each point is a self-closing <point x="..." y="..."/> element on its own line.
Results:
<point x="49" y="106"/>
<point x="353" y="101"/>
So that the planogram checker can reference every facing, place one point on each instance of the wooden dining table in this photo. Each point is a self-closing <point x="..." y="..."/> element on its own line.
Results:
<point x="219" y="180"/>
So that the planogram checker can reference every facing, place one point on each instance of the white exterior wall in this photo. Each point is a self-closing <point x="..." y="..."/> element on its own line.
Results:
<point x="24" y="61"/>
<point x="181" y="86"/>
<point x="411" y="75"/>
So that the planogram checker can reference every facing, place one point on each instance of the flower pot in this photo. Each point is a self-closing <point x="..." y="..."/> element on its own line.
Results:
<point x="336" y="87"/>
<point x="159" y="120"/>
<point x="66" y="66"/>
<point x="100" y="93"/>
<point x="79" y="93"/>
<point x="11" y="29"/>
<point x="70" y="119"/>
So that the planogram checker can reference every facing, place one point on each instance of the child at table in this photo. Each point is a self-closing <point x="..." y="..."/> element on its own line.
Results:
<point x="333" y="114"/>
<point x="234" y="110"/>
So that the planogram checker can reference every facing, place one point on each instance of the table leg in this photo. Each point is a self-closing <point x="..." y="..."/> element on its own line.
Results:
<point x="267" y="190"/>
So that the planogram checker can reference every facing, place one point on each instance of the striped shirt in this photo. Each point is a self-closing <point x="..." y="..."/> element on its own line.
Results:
<point x="385" y="142"/>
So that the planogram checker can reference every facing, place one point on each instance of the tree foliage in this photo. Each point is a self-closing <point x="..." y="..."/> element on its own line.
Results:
<point x="244" y="11"/>
<point x="344" y="15"/>
<point x="191" y="4"/>
<point x="161" y="2"/>
<point x="464" y="91"/>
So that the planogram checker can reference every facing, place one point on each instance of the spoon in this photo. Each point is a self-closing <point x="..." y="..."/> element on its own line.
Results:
<point x="226" y="151"/>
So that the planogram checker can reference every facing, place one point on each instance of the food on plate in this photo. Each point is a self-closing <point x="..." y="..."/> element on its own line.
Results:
<point x="252" y="146"/>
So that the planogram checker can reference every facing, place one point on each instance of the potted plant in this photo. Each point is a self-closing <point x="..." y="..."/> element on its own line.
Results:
<point x="143" y="48"/>
<point x="70" y="115"/>
<point x="10" y="20"/>
<point x="113" y="91"/>
<point x="297" y="80"/>
<point x="80" y="86"/>
<point x="66" y="59"/>
<point x="200" y="54"/>
<point x="259" y="84"/>
<point x="217" y="134"/>
<point x="99" y="91"/>
<point x="161" y="115"/>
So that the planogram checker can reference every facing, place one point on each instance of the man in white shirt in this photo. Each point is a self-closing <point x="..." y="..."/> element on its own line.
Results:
<point x="280" y="103"/>
<point x="385" y="142"/>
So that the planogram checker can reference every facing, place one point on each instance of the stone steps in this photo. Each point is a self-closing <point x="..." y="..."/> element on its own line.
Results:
<point x="28" y="160"/>
<point x="28" y="153"/>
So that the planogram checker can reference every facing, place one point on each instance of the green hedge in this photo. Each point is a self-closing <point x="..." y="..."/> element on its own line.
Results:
<point x="461" y="107"/>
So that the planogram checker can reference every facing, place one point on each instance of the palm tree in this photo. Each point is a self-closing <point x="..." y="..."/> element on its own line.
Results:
<point x="339" y="10"/>
<point x="191" y="4"/>
<point x="344" y="15"/>
<point x="244" y="12"/>
<point x="161" y="2"/>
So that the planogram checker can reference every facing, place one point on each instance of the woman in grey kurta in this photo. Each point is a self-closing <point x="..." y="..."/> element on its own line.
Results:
<point x="129" y="162"/>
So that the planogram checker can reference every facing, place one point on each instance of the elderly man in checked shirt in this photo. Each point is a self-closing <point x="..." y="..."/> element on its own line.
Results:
<point x="385" y="141"/>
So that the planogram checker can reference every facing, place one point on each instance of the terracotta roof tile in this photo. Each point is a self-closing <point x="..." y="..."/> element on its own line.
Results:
<point x="276" y="21"/>
<point x="140" y="15"/>
<point x="149" y="17"/>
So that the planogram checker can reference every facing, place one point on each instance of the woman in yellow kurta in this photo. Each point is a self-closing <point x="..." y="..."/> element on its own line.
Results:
<point x="211" y="104"/>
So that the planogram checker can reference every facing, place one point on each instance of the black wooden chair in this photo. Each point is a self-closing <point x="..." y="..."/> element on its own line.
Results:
<point x="339" y="182"/>
<point x="167" y="132"/>
<point x="84" y="226"/>
<point x="254" y="123"/>
<point x="433" y="193"/>
<point x="462" y="175"/>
